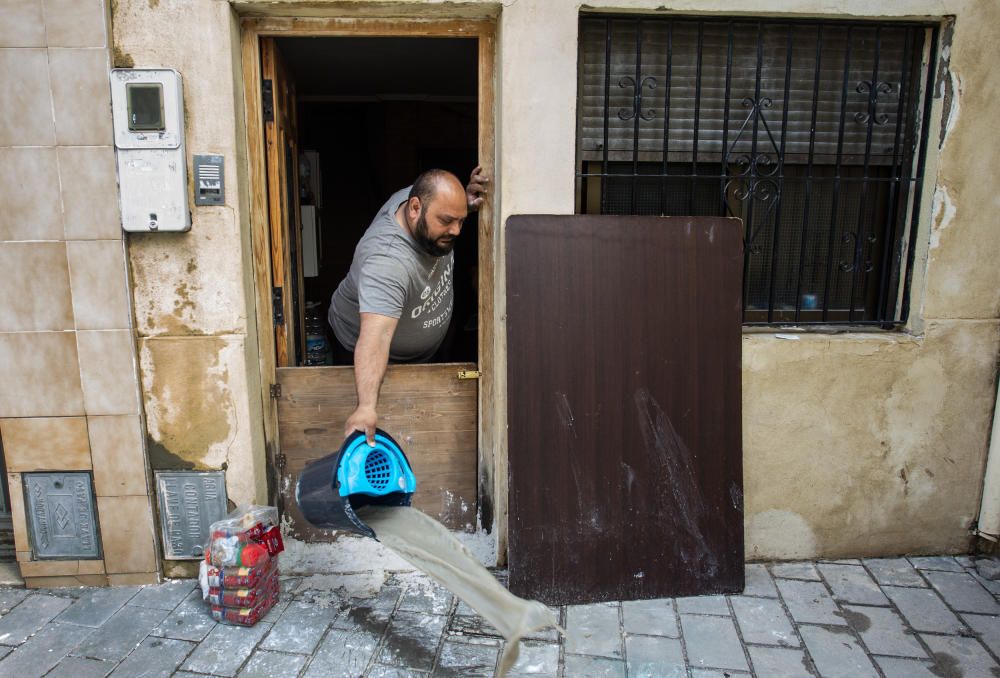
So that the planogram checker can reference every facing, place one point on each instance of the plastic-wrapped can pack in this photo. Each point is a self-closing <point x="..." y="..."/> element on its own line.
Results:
<point x="239" y="539"/>
<point x="251" y="613"/>
<point x="239" y="575"/>
<point x="245" y="597"/>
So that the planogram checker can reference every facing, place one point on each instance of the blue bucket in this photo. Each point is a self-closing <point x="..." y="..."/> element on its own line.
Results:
<point x="330" y="489"/>
<point x="374" y="471"/>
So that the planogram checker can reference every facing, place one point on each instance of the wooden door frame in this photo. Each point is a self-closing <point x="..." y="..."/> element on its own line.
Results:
<point x="491" y="484"/>
<point x="286" y="252"/>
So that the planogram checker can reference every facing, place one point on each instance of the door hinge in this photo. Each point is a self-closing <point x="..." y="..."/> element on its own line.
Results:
<point x="280" y="462"/>
<point x="469" y="374"/>
<point x="267" y="95"/>
<point x="275" y="390"/>
<point x="278" y="305"/>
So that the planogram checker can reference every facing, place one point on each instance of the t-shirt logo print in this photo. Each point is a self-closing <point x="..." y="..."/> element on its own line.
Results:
<point x="433" y="299"/>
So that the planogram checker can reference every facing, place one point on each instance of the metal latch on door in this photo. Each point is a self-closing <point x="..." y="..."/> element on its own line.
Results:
<point x="469" y="374"/>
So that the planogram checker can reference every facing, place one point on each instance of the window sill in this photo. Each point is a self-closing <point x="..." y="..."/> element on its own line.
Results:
<point x="836" y="333"/>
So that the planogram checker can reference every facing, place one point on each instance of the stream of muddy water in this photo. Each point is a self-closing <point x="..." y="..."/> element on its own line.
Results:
<point x="429" y="546"/>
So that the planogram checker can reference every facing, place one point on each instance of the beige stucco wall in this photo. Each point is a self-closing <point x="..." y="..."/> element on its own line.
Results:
<point x="856" y="443"/>
<point x="192" y="291"/>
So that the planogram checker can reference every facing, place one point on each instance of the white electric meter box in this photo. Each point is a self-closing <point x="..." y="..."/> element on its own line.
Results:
<point x="148" y="112"/>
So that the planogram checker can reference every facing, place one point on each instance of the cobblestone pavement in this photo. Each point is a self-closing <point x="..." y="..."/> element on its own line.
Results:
<point x="907" y="618"/>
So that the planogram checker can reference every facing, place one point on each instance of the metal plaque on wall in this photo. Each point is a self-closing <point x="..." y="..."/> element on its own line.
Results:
<point x="190" y="501"/>
<point x="61" y="518"/>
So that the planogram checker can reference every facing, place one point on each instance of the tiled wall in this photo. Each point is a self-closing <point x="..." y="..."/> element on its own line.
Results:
<point x="69" y="394"/>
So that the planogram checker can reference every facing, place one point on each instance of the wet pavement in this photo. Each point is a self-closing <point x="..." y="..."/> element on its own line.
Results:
<point x="898" y="617"/>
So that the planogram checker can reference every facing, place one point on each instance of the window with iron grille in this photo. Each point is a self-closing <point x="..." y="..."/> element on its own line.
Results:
<point x="810" y="131"/>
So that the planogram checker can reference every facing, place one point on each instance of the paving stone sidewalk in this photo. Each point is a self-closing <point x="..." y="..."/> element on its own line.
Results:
<point x="898" y="618"/>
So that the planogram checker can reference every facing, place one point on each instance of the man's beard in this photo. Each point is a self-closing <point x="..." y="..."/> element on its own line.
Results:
<point x="432" y="247"/>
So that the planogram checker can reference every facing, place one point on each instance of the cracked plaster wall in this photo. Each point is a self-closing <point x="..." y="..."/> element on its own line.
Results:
<point x="854" y="443"/>
<point x="192" y="291"/>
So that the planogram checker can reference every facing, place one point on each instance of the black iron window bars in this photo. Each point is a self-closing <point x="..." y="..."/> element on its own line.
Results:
<point x="810" y="131"/>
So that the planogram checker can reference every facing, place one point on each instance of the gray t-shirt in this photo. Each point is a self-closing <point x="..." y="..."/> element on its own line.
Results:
<point x="390" y="275"/>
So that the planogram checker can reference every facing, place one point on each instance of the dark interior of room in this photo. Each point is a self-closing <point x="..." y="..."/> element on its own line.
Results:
<point x="378" y="111"/>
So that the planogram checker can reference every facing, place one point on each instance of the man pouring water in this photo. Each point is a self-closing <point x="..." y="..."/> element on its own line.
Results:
<point x="397" y="299"/>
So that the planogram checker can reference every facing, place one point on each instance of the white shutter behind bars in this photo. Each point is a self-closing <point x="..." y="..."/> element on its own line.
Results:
<point x="682" y="36"/>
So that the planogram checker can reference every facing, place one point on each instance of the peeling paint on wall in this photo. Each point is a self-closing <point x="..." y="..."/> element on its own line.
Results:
<point x="188" y="402"/>
<point x="195" y="393"/>
<point x="943" y="210"/>
<point x="175" y="292"/>
<point x="947" y="81"/>
<point x="961" y="280"/>
<point x="122" y="59"/>
<point x="162" y="459"/>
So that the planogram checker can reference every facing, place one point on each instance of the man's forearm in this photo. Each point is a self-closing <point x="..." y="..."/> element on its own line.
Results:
<point x="371" y="357"/>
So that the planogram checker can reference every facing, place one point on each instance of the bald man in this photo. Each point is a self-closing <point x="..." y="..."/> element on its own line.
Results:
<point x="396" y="301"/>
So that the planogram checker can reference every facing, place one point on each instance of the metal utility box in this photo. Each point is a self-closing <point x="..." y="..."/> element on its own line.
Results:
<point x="190" y="501"/>
<point x="62" y="520"/>
<point x="148" y="113"/>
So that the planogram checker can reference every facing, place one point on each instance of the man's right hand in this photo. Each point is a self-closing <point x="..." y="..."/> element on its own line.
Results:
<point x="362" y="419"/>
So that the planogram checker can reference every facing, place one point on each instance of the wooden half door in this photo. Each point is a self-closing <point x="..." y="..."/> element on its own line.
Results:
<point x="428" y="409"/>
<point x="623" y="342"/>
<point x="282" y="152"/>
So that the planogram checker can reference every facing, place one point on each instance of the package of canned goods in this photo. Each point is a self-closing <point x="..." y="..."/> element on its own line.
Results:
<point x="251" y="613"/>
<point x="239" y="538"/>
<point x="236" y="577"/>
<point x="244" y="597"/>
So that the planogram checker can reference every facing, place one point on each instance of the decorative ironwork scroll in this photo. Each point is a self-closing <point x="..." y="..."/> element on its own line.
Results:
<point x="880" y="88"/>
<point x="757" y="173"/>
<point x="629" y="81"/>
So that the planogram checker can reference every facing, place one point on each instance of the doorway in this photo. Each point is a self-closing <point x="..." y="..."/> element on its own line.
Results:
<point x="363" y="134"/>
<point x="348" y="116"/>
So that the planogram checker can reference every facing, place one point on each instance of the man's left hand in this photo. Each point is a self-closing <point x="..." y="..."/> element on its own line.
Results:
<point x="475" y="192"/>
